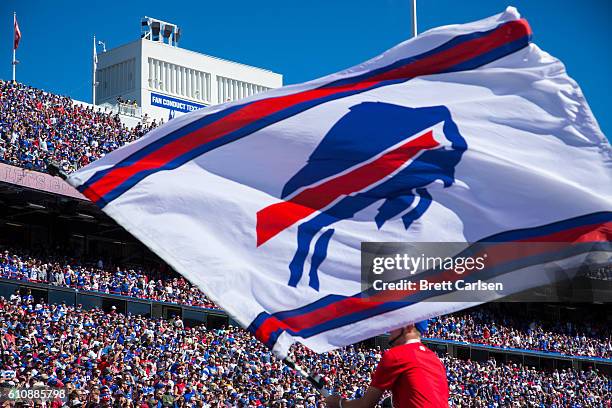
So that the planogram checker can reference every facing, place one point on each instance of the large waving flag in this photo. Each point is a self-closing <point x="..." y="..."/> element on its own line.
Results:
<point x="464" y="133"/>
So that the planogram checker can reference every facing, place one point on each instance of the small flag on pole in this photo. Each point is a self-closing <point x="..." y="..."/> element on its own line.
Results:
<point x="465" y="133"/>
<point x="16" y="39"/>
<point x="17" y="32"/>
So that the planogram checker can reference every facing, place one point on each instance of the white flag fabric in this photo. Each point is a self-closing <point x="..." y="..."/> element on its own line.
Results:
<point x="463" y="133"/>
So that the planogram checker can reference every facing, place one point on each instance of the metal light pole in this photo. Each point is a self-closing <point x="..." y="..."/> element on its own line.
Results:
<point x="414" y="18"/>
<point x="93" y="74"/>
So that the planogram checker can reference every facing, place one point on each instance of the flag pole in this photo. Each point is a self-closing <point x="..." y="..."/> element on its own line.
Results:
<point x="414" y="17"/>
<point x="315" y="380"/>
<point x="14" y="50"/>
<point x="93" y="74"/>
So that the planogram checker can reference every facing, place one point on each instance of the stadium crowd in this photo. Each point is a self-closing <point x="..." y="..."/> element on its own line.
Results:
<point x="490" y="384"/>
<point x="110" y="359"/>
<point x="65" y="271"/>
<point x="481" y="325"/>
<point x="603" y="273"/>
<point x="37" y="127"/>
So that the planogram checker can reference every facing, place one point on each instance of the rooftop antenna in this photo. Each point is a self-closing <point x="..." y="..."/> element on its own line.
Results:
<point x="158" y="30"/>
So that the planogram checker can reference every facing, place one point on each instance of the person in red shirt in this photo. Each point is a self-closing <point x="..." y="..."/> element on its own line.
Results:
<point x="413" y="373"/>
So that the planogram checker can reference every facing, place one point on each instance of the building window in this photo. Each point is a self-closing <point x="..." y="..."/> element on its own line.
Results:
<point x="175" y="79"/>
<point x="230" y="89"/>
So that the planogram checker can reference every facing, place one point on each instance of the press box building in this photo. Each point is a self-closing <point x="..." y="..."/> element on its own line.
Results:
<point x="166" y="80"/>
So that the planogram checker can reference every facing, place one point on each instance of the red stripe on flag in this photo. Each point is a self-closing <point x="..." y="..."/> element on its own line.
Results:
<point x="280" y="216"/>
<point x="446" y="59"/>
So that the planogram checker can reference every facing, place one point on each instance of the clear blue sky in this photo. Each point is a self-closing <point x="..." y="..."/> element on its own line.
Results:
<point x="302" y="40"/>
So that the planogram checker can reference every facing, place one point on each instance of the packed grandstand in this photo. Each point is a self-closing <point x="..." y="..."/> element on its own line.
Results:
<point x="37" y="127"/>
<point x="480" y="326"/>
<point x="106" y="358"/>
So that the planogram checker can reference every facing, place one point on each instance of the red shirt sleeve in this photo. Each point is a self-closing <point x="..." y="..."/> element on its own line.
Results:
<point x="387" y="372"/>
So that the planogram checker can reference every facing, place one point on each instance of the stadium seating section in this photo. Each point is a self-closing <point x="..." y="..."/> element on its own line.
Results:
<point x="37" y="127"/>
<point x="480" y="326"/>
<point x="107" y="358"/>
<point x="62" y="271"/>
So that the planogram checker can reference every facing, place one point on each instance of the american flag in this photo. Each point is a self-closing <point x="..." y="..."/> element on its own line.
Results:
<point x="17" y="32"/>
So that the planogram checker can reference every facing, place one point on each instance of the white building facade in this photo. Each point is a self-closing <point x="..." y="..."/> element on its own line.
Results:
<point x="166" y="80"/>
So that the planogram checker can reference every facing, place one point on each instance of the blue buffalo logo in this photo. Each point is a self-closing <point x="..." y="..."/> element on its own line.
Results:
<point x="378" y="153"/>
